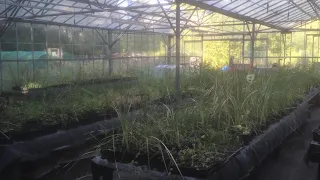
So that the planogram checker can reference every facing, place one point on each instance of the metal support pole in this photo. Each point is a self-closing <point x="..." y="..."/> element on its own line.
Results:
<point x="290" y="47"/>
<point x="32" y="46"/>
<point x="267" y="51"/>
<point x="127" y="53"/>
<point x="312" y="48"/>
<point x="178" y="32"/>
<point x="318" y="49"/>
<point x="47" y="49"/>
<point x="305" y="46"/>
<point x="17" y="47"/>
<point x="279" y="61"/>
<point x="1" y="68"/>
<point x="318" y="42"/>
<point x="201" y="60"/>
<point x="141" y="55"/>
<point x="120" y="53"/>
<point x="253" y="37"/>
<point x="154" y="49"/>
<point x="284" y="49"/>
<point x="60" y="50"/>
<point x="243" y="38"/>
<point x="169" y="49"/>
<point x="229" y="50"/>
<point x="109" y="53"/>
<point x="93" y="44"/>
<point x="82" y="72"/>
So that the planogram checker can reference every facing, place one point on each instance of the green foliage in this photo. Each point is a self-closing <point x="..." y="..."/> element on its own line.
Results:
<point x="207" y="125"/>
<point x="216" y="53"/>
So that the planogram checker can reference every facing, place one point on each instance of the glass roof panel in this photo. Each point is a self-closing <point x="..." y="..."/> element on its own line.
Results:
<point x="160" y="14"/>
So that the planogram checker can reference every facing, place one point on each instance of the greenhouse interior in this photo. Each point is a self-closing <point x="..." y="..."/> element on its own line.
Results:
<point x="159" y="89"/>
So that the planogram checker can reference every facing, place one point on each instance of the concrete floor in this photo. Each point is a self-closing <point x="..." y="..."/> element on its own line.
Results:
<point x="288" y="165"/>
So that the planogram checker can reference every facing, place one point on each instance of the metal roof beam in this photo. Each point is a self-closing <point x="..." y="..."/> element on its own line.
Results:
<point x="297" y="6"/>
<point x="80" y="26"/>
<point x="230" y="14"/>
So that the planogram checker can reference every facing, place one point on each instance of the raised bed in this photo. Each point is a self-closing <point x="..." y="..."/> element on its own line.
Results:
<point x="238" y="165"/>
<point x="21" y="159"/>
<point x="33" y="127"/>
<point x="56" y="89"/>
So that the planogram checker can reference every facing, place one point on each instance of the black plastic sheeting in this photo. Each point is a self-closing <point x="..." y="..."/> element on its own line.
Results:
<point x="42" y="146"/>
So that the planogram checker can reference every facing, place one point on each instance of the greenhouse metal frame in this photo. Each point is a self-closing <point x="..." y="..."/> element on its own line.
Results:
<point x="171" y="19"/>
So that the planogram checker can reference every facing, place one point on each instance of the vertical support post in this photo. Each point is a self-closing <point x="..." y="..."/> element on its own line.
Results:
<point x="267" y="51"/>
<point x="141" y="56"/>
<point x="318" y="49"/>
<point x="32" y="46"/>
<point x="201" y="60"/>
<point x="47" y="49"/>
<point x="284" y="49"/>
<point x="72" y="43"/>
<point x="127" y="52"/>
<point x="169" y="49"/>
<point x="305" y="45"/>
<point x="82" y="71"/>
<point x="60" y="50"/>
<point x="120" y="54"/>
<point x="243" y="38"/>
<point x="279" y="60"/>
<point x="318" y="42"/>
<point x="1" y="75"/>
<point x="229" y="50"/>
<point x="290" y="47"/>
<point x="154" y="50"/>
<point x="110" y="53"/>
<point x="17" y="47"/>
<point x="312" y="47"/>
<point x="178" y="38"/>
<point x="253" y="37"/>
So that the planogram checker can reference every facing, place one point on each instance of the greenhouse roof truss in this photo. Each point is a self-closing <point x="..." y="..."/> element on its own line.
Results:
<point x="160" y="15"/>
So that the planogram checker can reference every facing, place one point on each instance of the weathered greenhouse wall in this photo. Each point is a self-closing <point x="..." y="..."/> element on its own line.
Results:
<point x="270" y="46"/>
<point x="79" y="54"/>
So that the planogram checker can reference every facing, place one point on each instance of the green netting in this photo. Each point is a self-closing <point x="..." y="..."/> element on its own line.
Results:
<point x="66" y="55"/>
<point x="27" y="55"/>
<point x="22" y="55"/>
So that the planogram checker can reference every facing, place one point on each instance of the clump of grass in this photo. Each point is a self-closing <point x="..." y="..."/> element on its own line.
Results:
<point x="206" y="128"/>
<point x="71" y="103"/>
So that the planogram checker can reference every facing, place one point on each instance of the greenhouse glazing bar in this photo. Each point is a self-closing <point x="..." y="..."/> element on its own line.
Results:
<point x="109" y="45"/>
<point x="169" y="47"/>
<point x="230" y="14"/>
<point x="178" y="48"/>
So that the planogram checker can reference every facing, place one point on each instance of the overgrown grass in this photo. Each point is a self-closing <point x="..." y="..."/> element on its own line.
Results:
<point x="204" y="129"/>
<point x="62" y="105"/>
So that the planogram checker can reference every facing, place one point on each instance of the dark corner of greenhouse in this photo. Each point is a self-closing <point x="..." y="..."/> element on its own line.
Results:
<point x="159" y="89"/>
